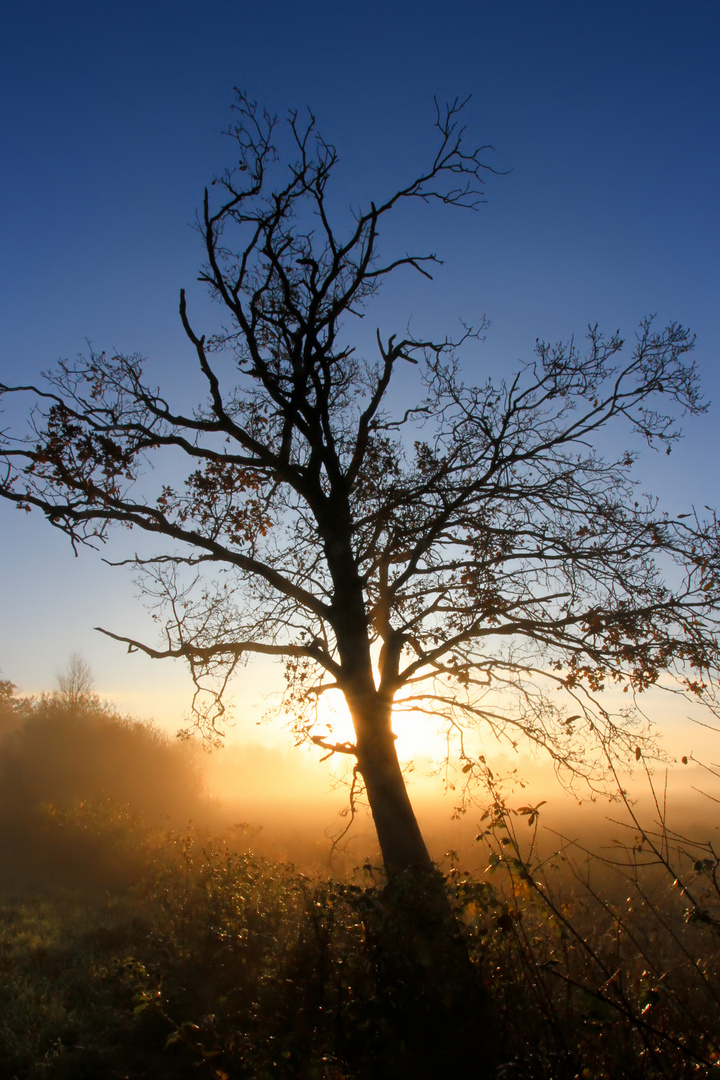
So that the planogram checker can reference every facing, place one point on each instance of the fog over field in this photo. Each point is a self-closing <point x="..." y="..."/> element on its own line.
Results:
<point x="81" y="781"/>
<point x="289" y="806"/>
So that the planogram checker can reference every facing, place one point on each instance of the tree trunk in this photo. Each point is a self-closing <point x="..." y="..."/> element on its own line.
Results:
<point x="433" y="992"/>
<point x="401" y="842"/>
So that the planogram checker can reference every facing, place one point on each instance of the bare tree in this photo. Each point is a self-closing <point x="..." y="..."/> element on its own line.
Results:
<point x="472" y="556"/>
<point x="76" y="681"/>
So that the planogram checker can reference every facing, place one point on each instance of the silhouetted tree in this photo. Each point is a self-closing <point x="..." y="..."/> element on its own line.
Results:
<point x="462" y="548"/>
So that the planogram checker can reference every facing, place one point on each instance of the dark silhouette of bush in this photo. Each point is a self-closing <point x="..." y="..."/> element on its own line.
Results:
<point x="83" y="790"/>
<point x="62" y="753"/>
<point x="13" y="710"/>
<point x="225" y="965"/>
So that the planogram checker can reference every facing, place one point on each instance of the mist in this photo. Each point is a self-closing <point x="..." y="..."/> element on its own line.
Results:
<point x="86" y="793"/>
<point x="89" y="796"/>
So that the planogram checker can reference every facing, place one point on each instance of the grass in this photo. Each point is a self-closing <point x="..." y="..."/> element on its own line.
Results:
<point x="224" y="966"/>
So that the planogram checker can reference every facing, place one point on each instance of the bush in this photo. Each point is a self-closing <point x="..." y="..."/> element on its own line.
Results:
<point x="84" y="791"/>
<point x="221" y="965"/>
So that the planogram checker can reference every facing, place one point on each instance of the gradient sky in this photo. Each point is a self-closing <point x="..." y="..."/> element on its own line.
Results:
<point x="605" y="114"/>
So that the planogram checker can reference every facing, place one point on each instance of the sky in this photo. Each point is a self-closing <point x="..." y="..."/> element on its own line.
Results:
<point x="604" y="119"/>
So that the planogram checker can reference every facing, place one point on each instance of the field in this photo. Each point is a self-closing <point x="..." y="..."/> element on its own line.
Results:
<point x="221" y="964"/>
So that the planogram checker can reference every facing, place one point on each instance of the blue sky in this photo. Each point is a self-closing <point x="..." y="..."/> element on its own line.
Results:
<point x="605" y="116"/>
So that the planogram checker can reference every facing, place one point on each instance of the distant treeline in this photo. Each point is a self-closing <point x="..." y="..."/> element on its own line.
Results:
<point x="86" y="792"/>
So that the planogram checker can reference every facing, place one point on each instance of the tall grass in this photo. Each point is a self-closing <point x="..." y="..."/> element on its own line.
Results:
<point x="220" y="964"/>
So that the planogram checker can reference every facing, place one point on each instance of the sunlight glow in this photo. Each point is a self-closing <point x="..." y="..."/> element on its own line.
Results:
<point x="417" y="735"/>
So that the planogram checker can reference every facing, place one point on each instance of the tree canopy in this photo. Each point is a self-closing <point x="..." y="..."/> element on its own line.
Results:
<point x="481" y="551"/>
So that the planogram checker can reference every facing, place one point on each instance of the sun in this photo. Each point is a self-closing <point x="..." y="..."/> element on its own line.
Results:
<point x="418" y="735"/>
